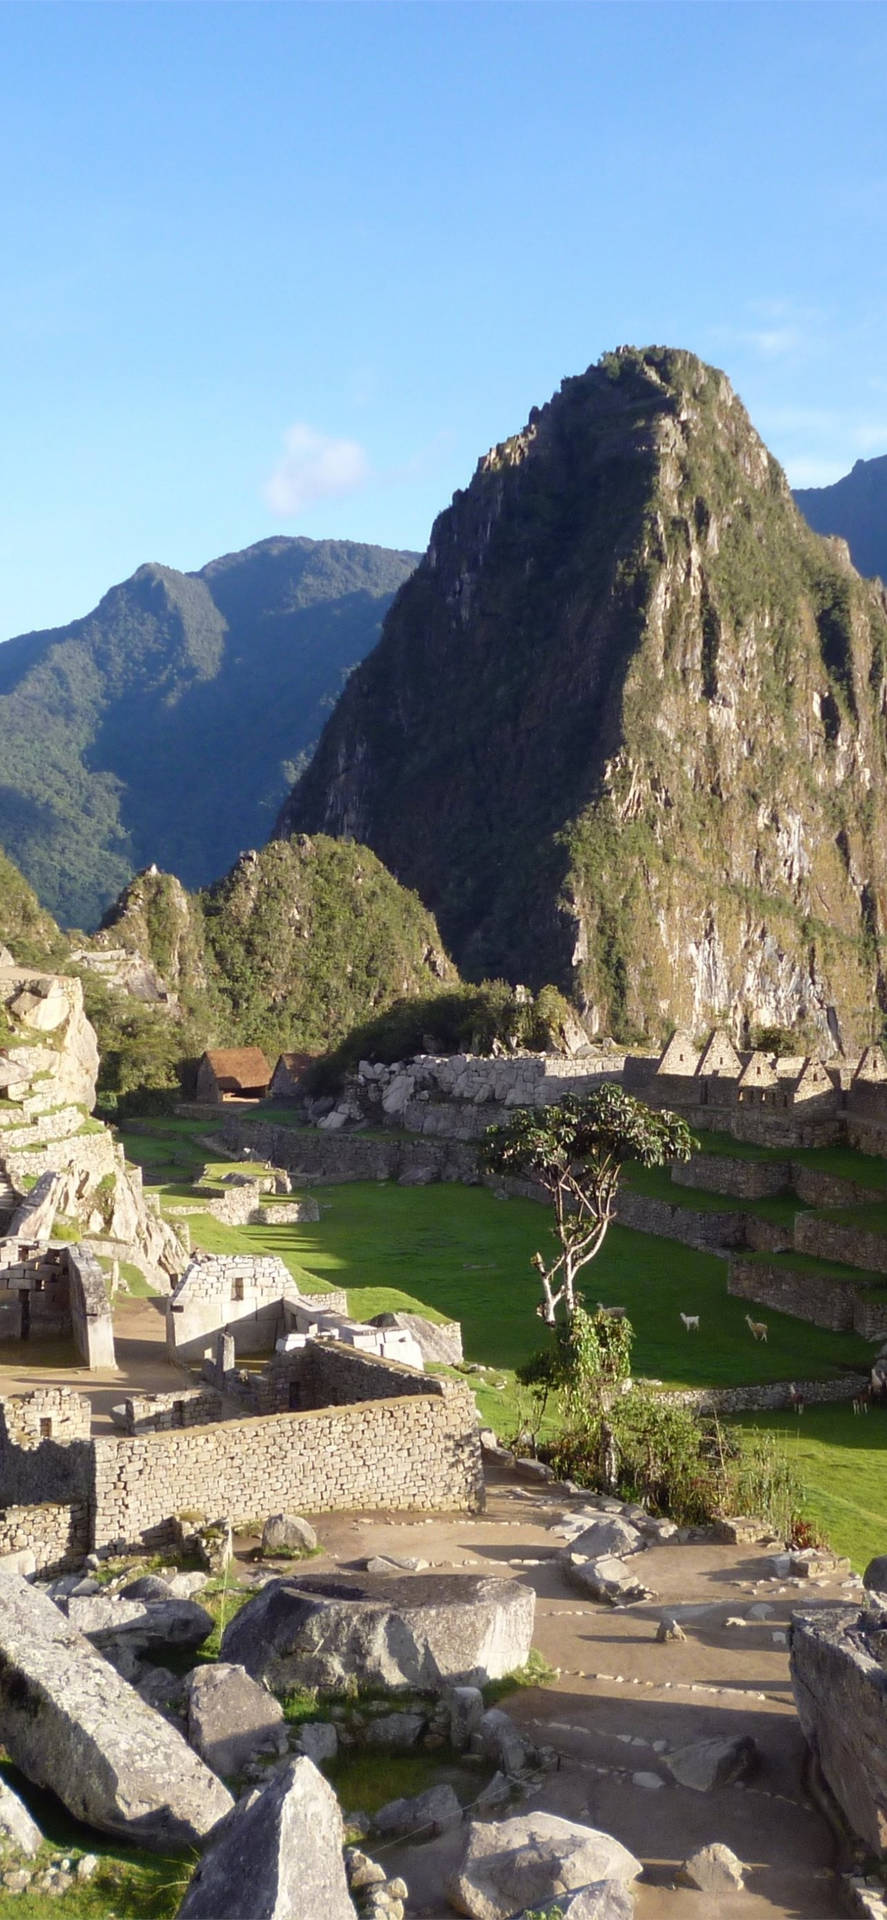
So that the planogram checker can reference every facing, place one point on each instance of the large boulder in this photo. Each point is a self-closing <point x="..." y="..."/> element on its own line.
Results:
<point x="531" y="1860"/>
<point x="839" y="1679"/>
<point x="146" y="1625"/>
<point x="420" y="1815"/>
<point x="279" y="1857"/>
<point x="875" y="1576"/>
<point x="423" y="1631"/>
<point x="231" y="1718"/>
<point x="71" y="1724"/>
<point x="605" y="1900"/>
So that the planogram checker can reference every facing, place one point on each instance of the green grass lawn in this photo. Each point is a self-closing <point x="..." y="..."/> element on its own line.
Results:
<point x="462" y="1253"/>
<point x="842" y="1459"/>
<point x="465" y="1253"/>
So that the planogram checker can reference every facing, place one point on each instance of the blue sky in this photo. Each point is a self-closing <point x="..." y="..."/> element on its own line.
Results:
<point x="292" y="268"/>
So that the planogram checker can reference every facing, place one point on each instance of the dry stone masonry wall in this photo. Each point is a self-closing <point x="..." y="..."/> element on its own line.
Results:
<point x="418" y="1450"/>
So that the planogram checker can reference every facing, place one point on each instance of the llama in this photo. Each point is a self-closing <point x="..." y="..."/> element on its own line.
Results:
<point x="691" y="1322"/>
<point x="795" y="1398"/>
<point x="757" y="1328"/>
<point x="862" y="1400"/>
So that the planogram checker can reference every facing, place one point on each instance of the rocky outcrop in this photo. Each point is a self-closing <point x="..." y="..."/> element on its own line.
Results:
<point x="642" y="703"/>
<point x="415" y="1630"/>
<point x="279" y="1857"/>
<point x="839" y="1680"/>
<point x="531" y="1860"/>
<point x="72" y="1724"/>
<point x="56" y="1161"/>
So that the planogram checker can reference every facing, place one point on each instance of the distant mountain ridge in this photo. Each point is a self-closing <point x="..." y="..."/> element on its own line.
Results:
<point x="855" y="508"/>
<point x="168" y="724"/>
<point x="624" y="727"/>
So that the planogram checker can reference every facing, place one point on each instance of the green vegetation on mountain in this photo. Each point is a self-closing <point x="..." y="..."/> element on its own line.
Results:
<point x="30" y="934"/>
<point x="641" y="704"/>
<point x="855" y="509"/>
<point x="458" y="1018"/>
<point x="168" y="724"/>
<point x="296" y="946"/>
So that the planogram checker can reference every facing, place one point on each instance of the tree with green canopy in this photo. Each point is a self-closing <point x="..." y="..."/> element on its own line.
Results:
<point x="576" y="1151"/>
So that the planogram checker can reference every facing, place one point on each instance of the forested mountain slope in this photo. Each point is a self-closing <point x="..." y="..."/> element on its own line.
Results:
<point x="856" y="509"/>
<point x="168" y="724"/>
<point x="625" y="726"/>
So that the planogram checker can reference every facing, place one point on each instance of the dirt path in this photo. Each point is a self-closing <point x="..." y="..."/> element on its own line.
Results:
<point x="621" y="1694"/>
<point x="142" y="1363"/>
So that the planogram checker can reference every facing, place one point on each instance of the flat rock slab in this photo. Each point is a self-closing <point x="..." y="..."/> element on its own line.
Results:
<point x="423" y="1631"/>
<point x="279" y="1857"/>
<point x="529" y="1861"/>
<point x="71" y="1724"/>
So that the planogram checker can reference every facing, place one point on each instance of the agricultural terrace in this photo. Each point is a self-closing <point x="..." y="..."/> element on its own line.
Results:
<point x="462" y="1253"/>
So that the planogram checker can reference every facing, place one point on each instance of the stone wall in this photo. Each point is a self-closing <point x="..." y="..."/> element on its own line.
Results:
<point x="827" y="1300"/>
<point x="313" y="1157"/>
<point x="56" y="1533"/>
<point x="165" y="1412"/>
<point x="775" y="1394"/>
<point x="832" y="1240"/>
<point x="418" y="1450"/>
<point x="712" y="1230"/>
<point x="818" y="1189"/>
<point x="736" y="1179"/>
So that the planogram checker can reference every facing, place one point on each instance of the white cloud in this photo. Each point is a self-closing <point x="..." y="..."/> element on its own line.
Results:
<point x="313" y="466"/>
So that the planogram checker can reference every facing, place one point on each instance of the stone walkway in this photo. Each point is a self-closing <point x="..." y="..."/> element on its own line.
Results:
<point x="623" y="1700"/>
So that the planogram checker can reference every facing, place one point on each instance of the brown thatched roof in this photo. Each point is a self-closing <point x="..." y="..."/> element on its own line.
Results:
<point x="246" y="1066"/>
<point x="295" y="1063"/>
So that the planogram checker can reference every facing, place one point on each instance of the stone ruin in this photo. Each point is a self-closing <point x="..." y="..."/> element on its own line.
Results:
<point x="230" y="1304"/>
<point x="782" y="1101"/>
<point x="57" y="1290"/>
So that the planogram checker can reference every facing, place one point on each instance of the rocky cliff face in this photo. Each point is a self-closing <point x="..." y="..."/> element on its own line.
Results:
<point x="625" y="725"/>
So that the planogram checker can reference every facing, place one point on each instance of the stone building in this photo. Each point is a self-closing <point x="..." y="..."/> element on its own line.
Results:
<point x="233" y="1073"/>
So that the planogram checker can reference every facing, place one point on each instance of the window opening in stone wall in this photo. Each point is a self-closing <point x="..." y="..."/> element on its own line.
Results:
<point x="237" y="1290"/>
<point x="46" y="1429"/>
